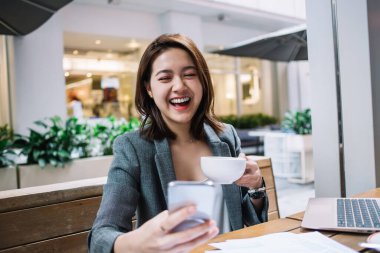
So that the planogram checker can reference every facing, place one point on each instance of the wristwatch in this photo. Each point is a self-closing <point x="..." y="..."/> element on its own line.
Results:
<point x="257" y="193"/>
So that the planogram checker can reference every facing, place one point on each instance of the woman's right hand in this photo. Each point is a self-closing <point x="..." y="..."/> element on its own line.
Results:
<point x="154" y="235"/>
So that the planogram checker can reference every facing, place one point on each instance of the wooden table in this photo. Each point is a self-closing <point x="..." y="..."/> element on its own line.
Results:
<point x="293" y="224"/>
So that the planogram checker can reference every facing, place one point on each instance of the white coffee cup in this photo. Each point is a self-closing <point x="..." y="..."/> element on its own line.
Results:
<point x="223" y="170"/>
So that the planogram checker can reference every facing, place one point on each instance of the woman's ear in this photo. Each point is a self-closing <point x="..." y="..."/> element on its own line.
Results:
<point x="149" y="90"/>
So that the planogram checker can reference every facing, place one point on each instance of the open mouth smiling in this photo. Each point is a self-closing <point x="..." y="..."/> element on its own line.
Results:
<point x="180" y="101"/>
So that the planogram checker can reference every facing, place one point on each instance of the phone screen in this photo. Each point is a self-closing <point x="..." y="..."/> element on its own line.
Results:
<point x="201" y="194"/>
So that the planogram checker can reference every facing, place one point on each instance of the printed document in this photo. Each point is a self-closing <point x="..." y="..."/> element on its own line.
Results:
<point x="313" y="242"/>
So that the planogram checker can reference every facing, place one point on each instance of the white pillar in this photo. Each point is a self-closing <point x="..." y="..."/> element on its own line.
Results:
<point x="324" y="98"/>
<point x="357" y="57"/>
<point x="38" y="86"/>
<point x="356" y="88"/>
<point x="282" y="95"/>
<point x="275" y="88"/>
<point x="267" y="87"/>
<point x="238" y="86"/>
<point x="373" y="7"/>
<point x="299" y="85"/>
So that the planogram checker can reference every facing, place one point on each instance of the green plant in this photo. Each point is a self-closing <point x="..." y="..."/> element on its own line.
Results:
<point x="298" y="122"/>
<point x="107" y="133"/>
<point x="248" y="121"/>
<point x="80" y="136"/>
<point x="56" y="142"/>
<point x="6" y="150"/>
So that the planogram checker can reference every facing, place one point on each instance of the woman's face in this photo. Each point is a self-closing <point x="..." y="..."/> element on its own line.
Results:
<point x="175" y="87"/>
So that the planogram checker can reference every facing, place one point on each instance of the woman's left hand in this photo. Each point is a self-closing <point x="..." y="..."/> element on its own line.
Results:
<point x="251" y="178"/>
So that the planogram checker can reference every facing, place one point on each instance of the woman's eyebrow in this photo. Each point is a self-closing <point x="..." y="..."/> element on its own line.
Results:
<point x="166" y="71"/>
<point x="189" y="67"/>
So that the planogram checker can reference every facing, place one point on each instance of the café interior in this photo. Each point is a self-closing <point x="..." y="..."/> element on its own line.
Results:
<point x="87" y="54"/>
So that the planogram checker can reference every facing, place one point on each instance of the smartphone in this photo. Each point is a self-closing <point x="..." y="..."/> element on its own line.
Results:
<point x="202" y="194"/>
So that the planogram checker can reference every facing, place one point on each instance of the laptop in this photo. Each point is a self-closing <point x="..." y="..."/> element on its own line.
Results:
<point x="343" y="214"/>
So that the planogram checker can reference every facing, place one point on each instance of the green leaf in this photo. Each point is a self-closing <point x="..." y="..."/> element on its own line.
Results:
<point x="298" y="122"/>
<point x="63" y="153"/>
<point x="9" y="152"/>
<point x="35" y="134"/>
<point x="41" y="123"/>
<point x="36" y="155"/>
<point x="3" y="144"/>
<point x="41" y="163"/>
<point x="56" y="120"/>
<point x="53" y="162"/>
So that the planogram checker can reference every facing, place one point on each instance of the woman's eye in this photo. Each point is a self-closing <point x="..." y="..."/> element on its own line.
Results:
<point x="164" y="78"/>
<point x="190" y="75"/>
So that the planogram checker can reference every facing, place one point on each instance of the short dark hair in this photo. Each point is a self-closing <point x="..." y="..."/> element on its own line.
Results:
<point x="153" y="125"/>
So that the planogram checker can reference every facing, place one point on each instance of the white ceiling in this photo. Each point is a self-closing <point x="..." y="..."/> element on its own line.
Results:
<point x="209" y="11"/>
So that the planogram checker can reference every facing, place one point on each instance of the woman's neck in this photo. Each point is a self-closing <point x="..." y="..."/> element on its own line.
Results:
<point x="183" y="134"/>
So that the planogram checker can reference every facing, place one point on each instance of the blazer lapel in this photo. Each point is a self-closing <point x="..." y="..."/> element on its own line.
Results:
<point x="164" y="165"/>
<point x="231" y="192"/>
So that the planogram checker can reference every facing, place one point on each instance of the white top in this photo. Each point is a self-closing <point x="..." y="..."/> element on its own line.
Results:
<point x="220" y="214"/>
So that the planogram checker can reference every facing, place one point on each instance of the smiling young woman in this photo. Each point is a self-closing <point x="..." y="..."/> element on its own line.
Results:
<point x="174" y="96"/>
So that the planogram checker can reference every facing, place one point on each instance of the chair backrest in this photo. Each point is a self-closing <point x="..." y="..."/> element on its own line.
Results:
<point x="49" y="218"/>
<point x="265" y="165"/>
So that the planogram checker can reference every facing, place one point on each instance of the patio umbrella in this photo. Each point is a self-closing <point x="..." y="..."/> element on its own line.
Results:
<point x="288" y="44"/>
<point x="20" y="17"/>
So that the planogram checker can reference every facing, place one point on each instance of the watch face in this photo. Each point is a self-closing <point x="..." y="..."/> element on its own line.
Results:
<point x="256" y="194"/>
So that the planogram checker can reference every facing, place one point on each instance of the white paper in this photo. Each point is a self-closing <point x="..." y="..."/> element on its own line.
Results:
<point x="313" y="242"/>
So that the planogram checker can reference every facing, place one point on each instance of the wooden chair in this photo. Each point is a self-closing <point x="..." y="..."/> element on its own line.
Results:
<point x="265" y="165"/>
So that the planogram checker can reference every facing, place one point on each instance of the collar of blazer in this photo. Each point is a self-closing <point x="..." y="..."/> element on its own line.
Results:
<point x="165" y="168"/>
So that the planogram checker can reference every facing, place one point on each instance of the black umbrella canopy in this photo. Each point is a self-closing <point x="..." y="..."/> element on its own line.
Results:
<point x="20" y="17"/>
<point x="288" y="44"/>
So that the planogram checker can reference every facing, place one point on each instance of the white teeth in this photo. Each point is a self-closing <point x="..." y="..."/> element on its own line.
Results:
<point x="179" y="100"/>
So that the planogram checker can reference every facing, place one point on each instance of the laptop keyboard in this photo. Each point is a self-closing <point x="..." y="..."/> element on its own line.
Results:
<point x="362" y="213"/>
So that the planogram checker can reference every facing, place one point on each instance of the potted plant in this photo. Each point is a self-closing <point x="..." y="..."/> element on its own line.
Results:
<point x="299" y="142"/>
<point x="298" y="122"/>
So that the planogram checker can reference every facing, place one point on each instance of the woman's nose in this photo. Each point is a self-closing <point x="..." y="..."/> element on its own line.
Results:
<point x="178" y="84"/>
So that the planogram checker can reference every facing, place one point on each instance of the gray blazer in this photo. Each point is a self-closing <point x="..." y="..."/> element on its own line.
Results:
<point x="137" y="183"/>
